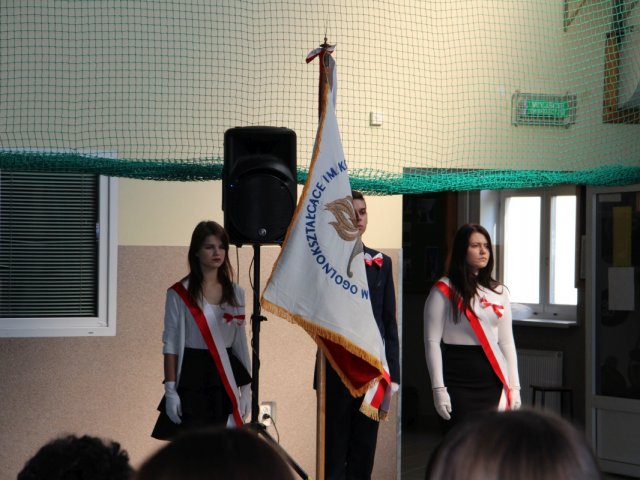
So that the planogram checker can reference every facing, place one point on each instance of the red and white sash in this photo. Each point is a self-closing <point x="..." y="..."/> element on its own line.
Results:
<point x="488" y="343"/>
<point x="216" y="348"/>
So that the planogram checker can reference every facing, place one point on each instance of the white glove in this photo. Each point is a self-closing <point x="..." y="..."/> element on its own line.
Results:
<point x="516" y="402"/>
<point x="244" y="404"/>
<point x="394" y="387"/>
<point x="442" y="402"/>
<point x="172" y="404"/>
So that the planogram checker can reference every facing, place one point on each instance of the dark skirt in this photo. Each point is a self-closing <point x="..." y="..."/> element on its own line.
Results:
<point x="203" y="398"/>
<point x="471" y="382"/>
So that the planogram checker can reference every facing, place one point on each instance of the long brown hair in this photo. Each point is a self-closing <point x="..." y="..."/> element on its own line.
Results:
<point x="225" y="272"/>
<point x="464" y="282"/>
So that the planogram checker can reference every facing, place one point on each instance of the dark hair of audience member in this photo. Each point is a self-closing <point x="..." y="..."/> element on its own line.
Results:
<point x="524" y="444"/>
<point x="78" y="458"/>
<point x="217" y="454"/>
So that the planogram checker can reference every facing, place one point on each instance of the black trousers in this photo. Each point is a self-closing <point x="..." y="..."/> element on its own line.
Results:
<point x="350" y="436"/>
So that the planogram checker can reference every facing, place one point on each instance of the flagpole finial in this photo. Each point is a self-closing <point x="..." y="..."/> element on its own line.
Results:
<point x="326" y="71"/>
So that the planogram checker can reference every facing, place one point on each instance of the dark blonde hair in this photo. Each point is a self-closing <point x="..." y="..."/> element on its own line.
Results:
<point x="524" y="444"/>
<point x="225" y="272"/>
<point x="357" y="195"/>
<point x="217" y="454"/>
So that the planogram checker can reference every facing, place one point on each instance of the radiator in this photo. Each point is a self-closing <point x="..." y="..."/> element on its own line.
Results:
<point x="542" y="367"/>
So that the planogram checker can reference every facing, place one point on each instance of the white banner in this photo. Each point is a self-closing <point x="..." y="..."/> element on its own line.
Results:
<point x="319" y="280"/>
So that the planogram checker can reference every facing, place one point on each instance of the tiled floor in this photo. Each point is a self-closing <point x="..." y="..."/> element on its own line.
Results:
<point x="419" y="442"/>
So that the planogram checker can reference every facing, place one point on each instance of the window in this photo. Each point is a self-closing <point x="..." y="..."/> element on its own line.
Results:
<point x="538" y="236"/>
<point x="58" y="254"/>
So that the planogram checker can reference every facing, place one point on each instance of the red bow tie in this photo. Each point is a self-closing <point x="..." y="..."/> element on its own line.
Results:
<point x="368" y="260"/>
<point x="228" y="317"/>
<point x="496" y="307"/>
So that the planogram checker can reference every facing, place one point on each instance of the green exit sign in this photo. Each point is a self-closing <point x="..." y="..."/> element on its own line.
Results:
<point x="541" y="109"/>
<point x="546" y="108"/>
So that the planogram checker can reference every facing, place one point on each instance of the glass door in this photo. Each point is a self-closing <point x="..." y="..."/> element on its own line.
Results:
<point x="617" y="300"/>
<point x="613" y="327"/>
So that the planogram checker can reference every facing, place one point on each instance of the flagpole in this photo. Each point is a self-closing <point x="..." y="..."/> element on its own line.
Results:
<point x="313" y="283"/>
<point x="324" y="77"/>
<point x="321" y="378"/>
<point x="321" y="364"/>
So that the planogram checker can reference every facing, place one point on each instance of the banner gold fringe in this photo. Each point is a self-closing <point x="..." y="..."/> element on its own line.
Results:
<point x="373" y="413"/>
<point x="318" y="333"/>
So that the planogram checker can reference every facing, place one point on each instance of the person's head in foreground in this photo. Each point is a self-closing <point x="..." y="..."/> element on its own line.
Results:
<point x="517" y="444"/>
<point x="217" y="454"/>
<point x="78" y="458"/>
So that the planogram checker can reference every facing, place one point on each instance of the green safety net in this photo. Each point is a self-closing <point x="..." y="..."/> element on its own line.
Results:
<point x="432" y="95"/>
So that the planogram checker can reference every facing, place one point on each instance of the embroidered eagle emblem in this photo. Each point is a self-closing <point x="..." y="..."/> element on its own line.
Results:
<point x="346" y="225"/>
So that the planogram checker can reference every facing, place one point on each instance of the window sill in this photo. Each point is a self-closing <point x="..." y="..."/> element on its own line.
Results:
<point x="546" y="322"/>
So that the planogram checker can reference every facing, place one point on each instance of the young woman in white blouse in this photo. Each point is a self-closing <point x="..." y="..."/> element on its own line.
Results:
<point x="468" y="335"/>
<point x="206" y="356"/>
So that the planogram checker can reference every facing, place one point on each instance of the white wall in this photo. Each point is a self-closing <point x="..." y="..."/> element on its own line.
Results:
<point x="164" y="213"/>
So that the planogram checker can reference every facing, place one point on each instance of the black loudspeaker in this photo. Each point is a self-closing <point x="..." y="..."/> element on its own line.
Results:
<point x="259" y="181"/>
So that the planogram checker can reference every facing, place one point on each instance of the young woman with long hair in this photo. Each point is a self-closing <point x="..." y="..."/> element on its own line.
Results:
<point x="468" y="335"/>
<point x="206" y="356"/>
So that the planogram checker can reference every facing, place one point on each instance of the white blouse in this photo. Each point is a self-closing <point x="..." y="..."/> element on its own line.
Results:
<point x="181" y="329"/>
<point x="213" y="314"/>
<point x="440" y="327"/>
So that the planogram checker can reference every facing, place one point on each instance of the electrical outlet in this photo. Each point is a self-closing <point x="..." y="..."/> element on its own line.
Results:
<point x="267" y="413"/>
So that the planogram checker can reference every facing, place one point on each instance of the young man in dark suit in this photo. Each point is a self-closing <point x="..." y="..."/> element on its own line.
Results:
<point x="350" y="436"/>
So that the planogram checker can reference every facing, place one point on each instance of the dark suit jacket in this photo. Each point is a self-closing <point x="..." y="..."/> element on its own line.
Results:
<point x="383" y="300"/>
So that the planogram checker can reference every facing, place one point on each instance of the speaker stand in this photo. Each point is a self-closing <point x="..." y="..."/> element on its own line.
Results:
<point x="256" y="318"/>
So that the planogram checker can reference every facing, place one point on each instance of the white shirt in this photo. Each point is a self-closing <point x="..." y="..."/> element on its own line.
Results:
<point x="179" y="327"/>
<point x="213" y="314"/>
<point x="439" y="326"/>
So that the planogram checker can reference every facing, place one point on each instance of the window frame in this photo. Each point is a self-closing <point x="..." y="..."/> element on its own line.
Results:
<point x="104" y="323"/>
<point x="544" y="311"/>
